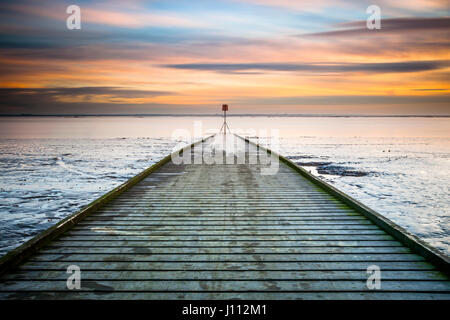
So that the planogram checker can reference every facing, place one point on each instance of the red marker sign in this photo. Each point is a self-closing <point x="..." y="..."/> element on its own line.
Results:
<point x="224" y="107"/>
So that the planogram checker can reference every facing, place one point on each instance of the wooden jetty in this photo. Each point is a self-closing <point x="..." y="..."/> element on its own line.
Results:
<point x="225" y="231"/>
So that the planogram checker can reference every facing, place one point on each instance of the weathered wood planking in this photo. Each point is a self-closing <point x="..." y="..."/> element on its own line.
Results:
<point x="198" y="231"/>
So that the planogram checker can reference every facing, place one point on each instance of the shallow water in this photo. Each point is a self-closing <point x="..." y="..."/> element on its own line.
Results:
<point x="405" y="179"/>
<point x="51" y="167"/>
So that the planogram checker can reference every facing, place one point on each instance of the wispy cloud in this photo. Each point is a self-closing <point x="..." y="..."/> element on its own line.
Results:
<point x="347" y="100"/>
<point x="388" y="26"/>
<point x="383" y="67"/>
<point x="111" y="94"/>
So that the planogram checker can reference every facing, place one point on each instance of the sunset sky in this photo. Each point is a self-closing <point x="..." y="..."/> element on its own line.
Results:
<point x="259" y="56"/>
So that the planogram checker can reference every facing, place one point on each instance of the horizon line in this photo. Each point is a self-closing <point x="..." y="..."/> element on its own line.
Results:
<point x="299" y="115"/>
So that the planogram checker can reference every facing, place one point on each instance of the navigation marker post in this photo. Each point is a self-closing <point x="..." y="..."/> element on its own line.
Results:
<point x="224" y="125"/>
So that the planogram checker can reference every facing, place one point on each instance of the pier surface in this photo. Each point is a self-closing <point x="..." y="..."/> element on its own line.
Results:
<point x="225" y="231"/>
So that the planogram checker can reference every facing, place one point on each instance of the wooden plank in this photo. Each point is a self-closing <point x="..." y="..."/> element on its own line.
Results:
<point x="234" y="228"/>
<point x="74" y="235"/>
<point x="190" y="214"/>
<point x="238" y="257"/>
<point x="315" y="197"/>
<point x="230" y="286"/>
<point x="224" y="243"/>
<point x="96" y="295"/>
<point x="144" y="231"/>
<point x="213" y="265"/>
<point x="218" y="208"/>
<point x="249" y="211"/>
<point x="266" y="220"/>
<point x="338" y="275"/>
<point x="229" y="250"/>
<point x="186" y="218"/>
<point x="236" y="223"/>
